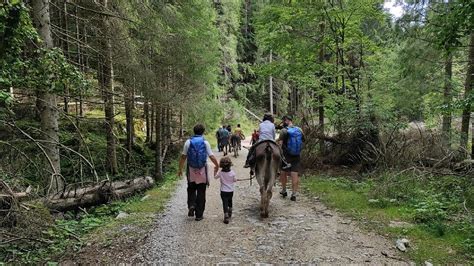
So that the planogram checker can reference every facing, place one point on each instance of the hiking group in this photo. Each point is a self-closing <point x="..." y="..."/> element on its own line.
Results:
<point x="197" y="150"/>
<point x="228" y="141"/>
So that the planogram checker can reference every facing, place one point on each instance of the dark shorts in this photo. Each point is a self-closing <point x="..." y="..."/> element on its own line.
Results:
<point x="224" y="141"/>
<point x="295" y="163"/>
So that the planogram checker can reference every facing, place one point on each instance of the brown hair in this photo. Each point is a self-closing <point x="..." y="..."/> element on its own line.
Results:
<point x="225" y="163"/>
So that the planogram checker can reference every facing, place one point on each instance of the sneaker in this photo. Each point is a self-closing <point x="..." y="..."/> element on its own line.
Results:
<point x="191" y="212"/>
<point x="284" y="194"/>
<point x="247" y="165"/>
<point x="226" y="218"/>
<point x="199" y="218"/>
<point x="230" y="212"/>
<point x="293" y="198"/>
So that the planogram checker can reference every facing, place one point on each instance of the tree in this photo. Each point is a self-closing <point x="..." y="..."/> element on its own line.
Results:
<point x="46" y="101"/>
<point x="106" y="81"/>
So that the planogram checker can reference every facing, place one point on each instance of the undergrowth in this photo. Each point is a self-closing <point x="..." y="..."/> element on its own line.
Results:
<point x="435" y="210"/>
<point x="40" y="238"/>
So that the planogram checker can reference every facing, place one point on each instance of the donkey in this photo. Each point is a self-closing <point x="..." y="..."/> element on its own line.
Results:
<point x="235" y="143"/>
<point x="267" y="165"/>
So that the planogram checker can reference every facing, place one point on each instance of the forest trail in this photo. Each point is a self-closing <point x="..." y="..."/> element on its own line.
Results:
<point x="296" y="232"/>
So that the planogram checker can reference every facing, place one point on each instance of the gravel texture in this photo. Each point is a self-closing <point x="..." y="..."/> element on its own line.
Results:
<point x="304" y="231"/>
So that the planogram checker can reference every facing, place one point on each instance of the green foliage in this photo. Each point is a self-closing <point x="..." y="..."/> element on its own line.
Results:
<point x="442" y="231"/>
<point x="42" y="69"/>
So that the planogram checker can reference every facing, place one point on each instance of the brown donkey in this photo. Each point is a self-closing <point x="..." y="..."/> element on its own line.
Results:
<point x="267" y="165"/>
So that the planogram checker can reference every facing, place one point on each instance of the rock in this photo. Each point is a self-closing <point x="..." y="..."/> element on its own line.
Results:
<point x="405" y="241"/>
<point x="122" y="215"/>
<point x="401" y="245"/>
<point x="427" y="263"/>
<point x="373" y="200"/>
<point x="145" y="198"/>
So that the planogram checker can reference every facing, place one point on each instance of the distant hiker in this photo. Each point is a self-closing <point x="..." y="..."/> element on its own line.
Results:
<point x="267" y="132"/>
<point x="224" y="140"/>
<point x="291" y="140"/>
<point x="238" y="131"/>
<point x="227" y="178"/>
<point x="195" y="152"/>
<point x="218" y="138"/>
<point x="229" y="128"/>
<point x="255" y="135"/>
<point x="237" y="137"/>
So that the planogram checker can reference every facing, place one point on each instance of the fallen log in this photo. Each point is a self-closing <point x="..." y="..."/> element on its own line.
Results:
<point x="98" y="194"/>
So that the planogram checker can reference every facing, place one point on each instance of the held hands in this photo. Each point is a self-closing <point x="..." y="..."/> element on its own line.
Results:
<point x="216" y="169"/>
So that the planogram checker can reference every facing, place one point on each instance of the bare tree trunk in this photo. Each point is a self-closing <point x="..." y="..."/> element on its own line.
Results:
<point x="47" y="104"/>
<point x="146" y="110"/>
<point x="129" y="104"/>
<point x="158" y="161"/>
<point x="66" y="51"/>
<point x="322" y="146"/>
<point x="466" y="113"/>
<point x="448" y="73"/>
<point x="108" y="90"/>
<point x="168" y="125"/>
<point x="80" y="62"/>
<point x="180" y="124"/>
<point x="152" y="121"/>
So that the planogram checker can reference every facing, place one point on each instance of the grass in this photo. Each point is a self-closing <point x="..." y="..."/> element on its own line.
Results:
<point x="434" y="242"/>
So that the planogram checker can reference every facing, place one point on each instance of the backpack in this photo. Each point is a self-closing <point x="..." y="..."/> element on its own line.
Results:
<point x="295" y="141"/>
<point x="224" y="133"/>
<point x="197" y="152"/>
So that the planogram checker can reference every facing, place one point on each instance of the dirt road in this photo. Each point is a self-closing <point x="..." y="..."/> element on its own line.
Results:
<point x="296" y="232"/>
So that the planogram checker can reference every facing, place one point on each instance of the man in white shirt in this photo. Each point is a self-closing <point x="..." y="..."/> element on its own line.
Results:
<point x="196" y="150"/>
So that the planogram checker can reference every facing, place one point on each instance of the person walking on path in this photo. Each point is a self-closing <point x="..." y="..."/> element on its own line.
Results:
<point x="196" y="150"/>
<point x="224" y="140"/>
<point x="218" y="137"/>
<point x="227" y="178"/>
<point x="267" y="132"/>
<point x="254" y="137"/>
<point x="291" y="140"/>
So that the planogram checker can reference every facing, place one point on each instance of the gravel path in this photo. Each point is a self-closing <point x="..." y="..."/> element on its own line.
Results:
<point x="296" y="232"/>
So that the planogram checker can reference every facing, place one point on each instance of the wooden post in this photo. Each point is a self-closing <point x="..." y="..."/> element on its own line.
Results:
<point x="271" y="85"/>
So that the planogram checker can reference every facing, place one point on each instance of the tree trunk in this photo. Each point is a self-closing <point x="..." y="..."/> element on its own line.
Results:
<point x="466" y="113"/>
<point x="152" y="121"/>
<point x="108" y="91"/>
<point x="448" y="73"/>
<point x="47" y="104"/>
<point x="98" y="194"/>
<point x="129" y="106"/>
<point x="66" y="53"/>
<point x="168" y="125"/>
<point x="158" y="161"/>
<point x="180" y="124"/>
<point x="322" y="146"/>
<point x="80" y="62"/>
<point x="146" y="111"/>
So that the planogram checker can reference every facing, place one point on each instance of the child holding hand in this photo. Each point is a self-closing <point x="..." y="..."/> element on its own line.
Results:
<point x="227" y="178"/>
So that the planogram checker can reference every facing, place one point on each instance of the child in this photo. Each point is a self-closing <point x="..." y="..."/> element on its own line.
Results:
<point x="227" y="177"/>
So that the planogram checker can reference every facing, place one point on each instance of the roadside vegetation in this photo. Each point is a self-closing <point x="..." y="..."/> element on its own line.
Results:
<point x="430" y="211"/>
